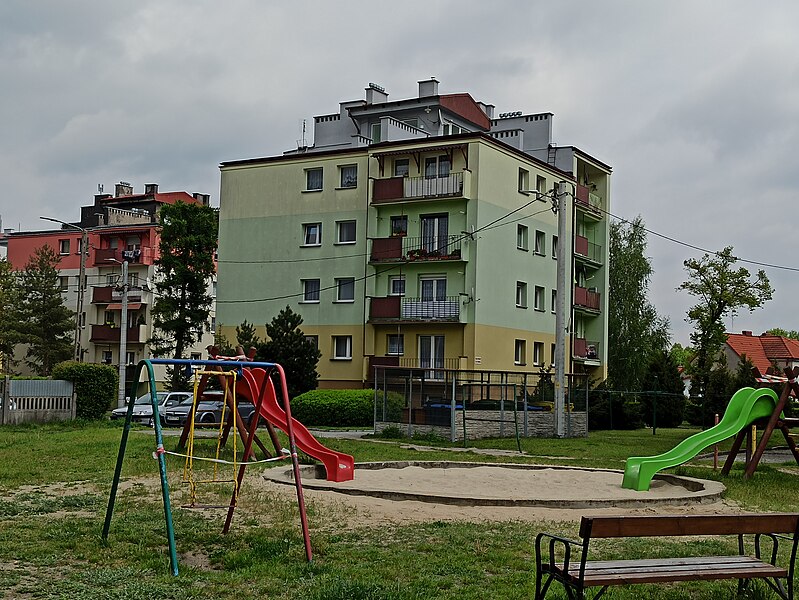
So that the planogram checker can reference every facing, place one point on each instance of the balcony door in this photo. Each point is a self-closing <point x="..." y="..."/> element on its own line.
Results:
<point x="431" y="355"/>
<point x="435" y="230"/>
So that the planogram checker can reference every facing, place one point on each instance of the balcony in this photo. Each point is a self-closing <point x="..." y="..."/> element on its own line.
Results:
<point x="590" y="202"/>
<point x="586" y="350"/>
<point x="587" y="251"/>
<point x="108" y="334"/>
<point x="400" y="248"/>
<point x="109" y="294"/>
<point x="434" y="369"/>
<point x="104" y="257"/>
<point x="396" y="308"/>
<point x="587" y="298"/>
<point x="397" y="189"/>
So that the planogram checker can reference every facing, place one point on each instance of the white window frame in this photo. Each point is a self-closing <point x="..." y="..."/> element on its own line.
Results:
<point x="398" y="280"/>
<point x="347" y="179"/>
<point x="340" y="282"/>
<point x="555" y="247"/>
<point x="538" y="299"/>
<point x="405" y="163"/>
<point x="554" y="301"/>
<point x="398" y="347"/>
<point x="524" y="180"/>
<point x="521" y="294"/>
<point x="538" y="354"/>
<point x="347" y="347"/>
<point x="63" y="283"/>
<point x="107" y="357"/>
<point x="339" y="230"/>
<point x="307" y="292"/>
<point x="307" y="239"/>
<point x="63" y="247"/>
<point x="308" y="174"/>
<point x="522" y="233"/>
<point x="541" y="184"/>
<point x="399" y="219"/>
<point x="519" y="352"/>
<point x="540" y="242"/>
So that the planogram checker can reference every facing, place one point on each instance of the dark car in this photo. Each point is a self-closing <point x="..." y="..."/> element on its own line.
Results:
<point x="209" y="410"/>
<point x="143" y="407"/>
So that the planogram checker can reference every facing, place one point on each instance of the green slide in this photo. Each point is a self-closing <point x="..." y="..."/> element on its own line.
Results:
<point x="746" y="405"/>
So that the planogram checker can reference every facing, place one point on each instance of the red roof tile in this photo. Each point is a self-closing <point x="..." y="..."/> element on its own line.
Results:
<point x="752" y="347"/>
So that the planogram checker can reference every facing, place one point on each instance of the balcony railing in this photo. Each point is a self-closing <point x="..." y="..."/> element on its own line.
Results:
<point x="586" y="199"/>
<point x="587" y="250"/>
<point x="434" y="368"/>
<point x="587" y="298"/>
<point x="415" y="309"/>
<point x="107" y="333"/>
<point x="586" y="349"/>
<point x="102" y="295"/>
<point x="106" y="256"/>
<point x="408" y="188"/>
<point x="443" y="247"/>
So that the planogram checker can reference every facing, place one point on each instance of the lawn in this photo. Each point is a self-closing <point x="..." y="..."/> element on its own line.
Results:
<point x="54" y="486"/>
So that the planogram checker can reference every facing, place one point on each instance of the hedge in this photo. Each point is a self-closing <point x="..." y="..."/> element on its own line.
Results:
<point x="337" y="408"/>
<point x="95" y="385"/>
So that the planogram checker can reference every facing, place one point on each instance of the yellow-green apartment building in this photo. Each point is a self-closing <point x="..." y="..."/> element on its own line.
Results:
<point x="419" y="233"/>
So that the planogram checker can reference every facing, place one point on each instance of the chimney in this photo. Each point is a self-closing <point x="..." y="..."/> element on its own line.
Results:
<point x="205" y="199"/>
<point x="123" y="188"/>
<point x="488" y="109"/>
<point x="150" y="188"/>
<point x="428" y="87"/>
<point x="747" y="333"/>
<point x="376" y="94"/>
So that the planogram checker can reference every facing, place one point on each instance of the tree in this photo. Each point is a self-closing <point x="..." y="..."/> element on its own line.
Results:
<point x="186" y="262"/>
<point x="246" y="336"/>
<point x="288" y="347"/>
<point x="722" y="291"/>
<point x="681" y="355"/>
<point x="793" y="334"/>
<point x="9" y="317"/>
<point x="666" y="404"/>
<point x="635" y="330"/>
<point x="45" y="324"/>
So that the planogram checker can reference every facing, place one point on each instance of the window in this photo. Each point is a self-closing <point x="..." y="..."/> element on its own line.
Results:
<point x="436" y="166"/>
<point x="109" y="318"/>
<point x="342" y="347"/>
<point x="540" y="242"/>
<point x="63" y="282"/>
<point x="554" y="300"/>
<point x="538" y="354"/>
<point x="376" y="133"/>
<point x="313" y="340"/>
<point x="520" y="352"/>
<point x="433" y="289"/>
<point x="524" y="180"/>
<point x="521" y="237"/>
<point x="345" y="232"/>
<point x="450" y="129"/>
<point x="63" y="246"/>
<point x="345" y="289"/>
<point x="396" y="285"/>
<point x="552" y="354"/>
<point x="349" y="176"/>
<point x="213" y="324"/>
<point x="399" y="225"/>
<point x="402" y="167"/>
<point x="395" y="345"/>
<point x="539" y="298"/>
<point x="310" y="290"/>
<point x="431" y="355"/>
<point x="213" y="289"/>
<point x="521" y="294"/>
<point x="131" y="358"/>
<point x="541" y="184"/>
<point x="412" y="122"/>
<point x="80" y="246"/>
<point x="312" y="234"/>
<point x="196" y="356"/>
<point x="555" y="247"/>
<point x="313" y="180"/>
<point x="107" y="357"/>
<point x="435" y="236"/>
<point x="111" y="279"/>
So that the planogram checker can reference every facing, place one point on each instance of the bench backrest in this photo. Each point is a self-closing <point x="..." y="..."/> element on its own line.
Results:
<point x="642" y="526"/>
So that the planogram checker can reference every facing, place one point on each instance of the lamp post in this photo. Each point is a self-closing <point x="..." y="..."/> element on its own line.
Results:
<point x="123" y="328"/>
<point x="84" y="245"/>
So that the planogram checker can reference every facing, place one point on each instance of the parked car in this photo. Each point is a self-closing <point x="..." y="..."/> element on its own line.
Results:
<point x="209" y="410"/>
<point x="143" y="407"/>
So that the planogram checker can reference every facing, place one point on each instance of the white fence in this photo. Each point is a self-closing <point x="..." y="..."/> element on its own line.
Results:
<point x="36" y="401"/>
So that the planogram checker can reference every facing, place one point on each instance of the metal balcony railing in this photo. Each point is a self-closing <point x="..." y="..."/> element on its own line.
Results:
<point x="440" y="247"/>
<point x="587" y="250"/>
<point x="407" y="188"/>
<point x="587" y="298"/>
<point x="415" y="309"/>
<point x="586" y="349"/>
<point x="587" y="199"/>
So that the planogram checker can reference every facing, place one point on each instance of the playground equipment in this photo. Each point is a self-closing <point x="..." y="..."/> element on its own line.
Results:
<point x="252" y="382"/>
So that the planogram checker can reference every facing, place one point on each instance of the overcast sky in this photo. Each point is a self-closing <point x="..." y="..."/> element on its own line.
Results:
<point x="694" y="104"/>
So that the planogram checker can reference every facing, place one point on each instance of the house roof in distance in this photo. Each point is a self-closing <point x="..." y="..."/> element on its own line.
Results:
<point x="763" y="349"/>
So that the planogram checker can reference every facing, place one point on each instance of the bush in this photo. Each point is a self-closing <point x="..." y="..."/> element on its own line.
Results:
<point x="95" y="385"/>
<point x="341" y="408"/>
<point x="667" y="409"/>
<point x="609" y="409"/>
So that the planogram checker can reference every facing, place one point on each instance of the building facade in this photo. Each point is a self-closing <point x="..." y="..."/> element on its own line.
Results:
<point x="119" y="227"/>
<point x="419" y="233"/>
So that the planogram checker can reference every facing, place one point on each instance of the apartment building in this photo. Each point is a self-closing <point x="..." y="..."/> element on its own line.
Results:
<point x="119" y="227"/>
<point x="419" y="233"/>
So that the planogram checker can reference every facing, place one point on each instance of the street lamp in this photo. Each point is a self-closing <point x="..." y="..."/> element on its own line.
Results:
<point x="123" y="331"/>
<point x="84" y="245"/>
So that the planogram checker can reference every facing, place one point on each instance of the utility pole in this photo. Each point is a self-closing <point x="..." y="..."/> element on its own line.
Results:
<point x="561" y="319"/>
<point x="123" y="332"/>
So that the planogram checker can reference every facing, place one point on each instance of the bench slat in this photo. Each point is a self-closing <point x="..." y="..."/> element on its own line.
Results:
<point x="645" y="526"/>
<point x="653" y="563"/>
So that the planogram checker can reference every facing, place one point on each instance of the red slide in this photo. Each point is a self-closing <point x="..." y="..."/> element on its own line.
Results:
<point x="339" y="467"/>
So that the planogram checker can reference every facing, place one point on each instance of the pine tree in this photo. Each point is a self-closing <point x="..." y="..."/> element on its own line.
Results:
<point x="45" y="324"/>
<point x="9" y="317"/>
<point x="246" y="336"/>
<point x="186" y="261"/>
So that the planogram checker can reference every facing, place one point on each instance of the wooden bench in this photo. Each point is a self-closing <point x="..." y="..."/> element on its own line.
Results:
<point x="567" y="560"/>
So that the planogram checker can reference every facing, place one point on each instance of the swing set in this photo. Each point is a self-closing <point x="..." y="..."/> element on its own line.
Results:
<point x="250" y="380"/>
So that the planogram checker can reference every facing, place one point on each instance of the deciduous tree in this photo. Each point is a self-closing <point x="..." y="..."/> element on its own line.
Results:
<point x="9" y="317"/>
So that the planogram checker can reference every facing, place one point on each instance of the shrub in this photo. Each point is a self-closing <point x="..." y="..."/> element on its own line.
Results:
<point x="340" y="408"/>
<point x="95" y="385"/>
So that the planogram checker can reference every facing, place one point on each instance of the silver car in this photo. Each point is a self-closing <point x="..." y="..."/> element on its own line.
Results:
<point x="143" y="407"/>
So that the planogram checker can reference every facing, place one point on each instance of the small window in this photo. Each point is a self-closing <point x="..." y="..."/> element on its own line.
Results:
<point x="312" y="234"/>
<point x="552" y="354"/>
<point x="107" y="357"/>
<point x="520" y="352"/>
<point x="396" y="285"/>
<point x="63" y="283"/>
<point x="63" y="246"/>
<point x="521" y="294"/>
<point x="131" y="358"/>
<point x="402" y="167"/>
<point x="539" y="298"/>
<point x="521" y="237"/>
<point x="109" y="318"/>
<point x="555" y="247"/>
<point x="399" y="225"/>
<point x="541" y="184"/>
<point x="194" y="356"/>
<point x="111" y="279"/>
<point x="313" y="340"/>
<point x="540" y="242"/>
<point x="395" y="345"/>
<point x="524" y="180"/>
<point x="213" y="324"/>
<point x="313" y="179"/>
<point x="538" y="354"/>
<point x="376" y="133"/>
<point x="554" y="300"/>
<point x="342" y="347"/>
<point x="345" y="289"/>
<point x="310" y="290"/>
<point x="349" y="176"/>
<point x="345" y="233"/>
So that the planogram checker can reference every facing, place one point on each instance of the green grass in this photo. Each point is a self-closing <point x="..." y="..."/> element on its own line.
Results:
<point x="54" y="485"/>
